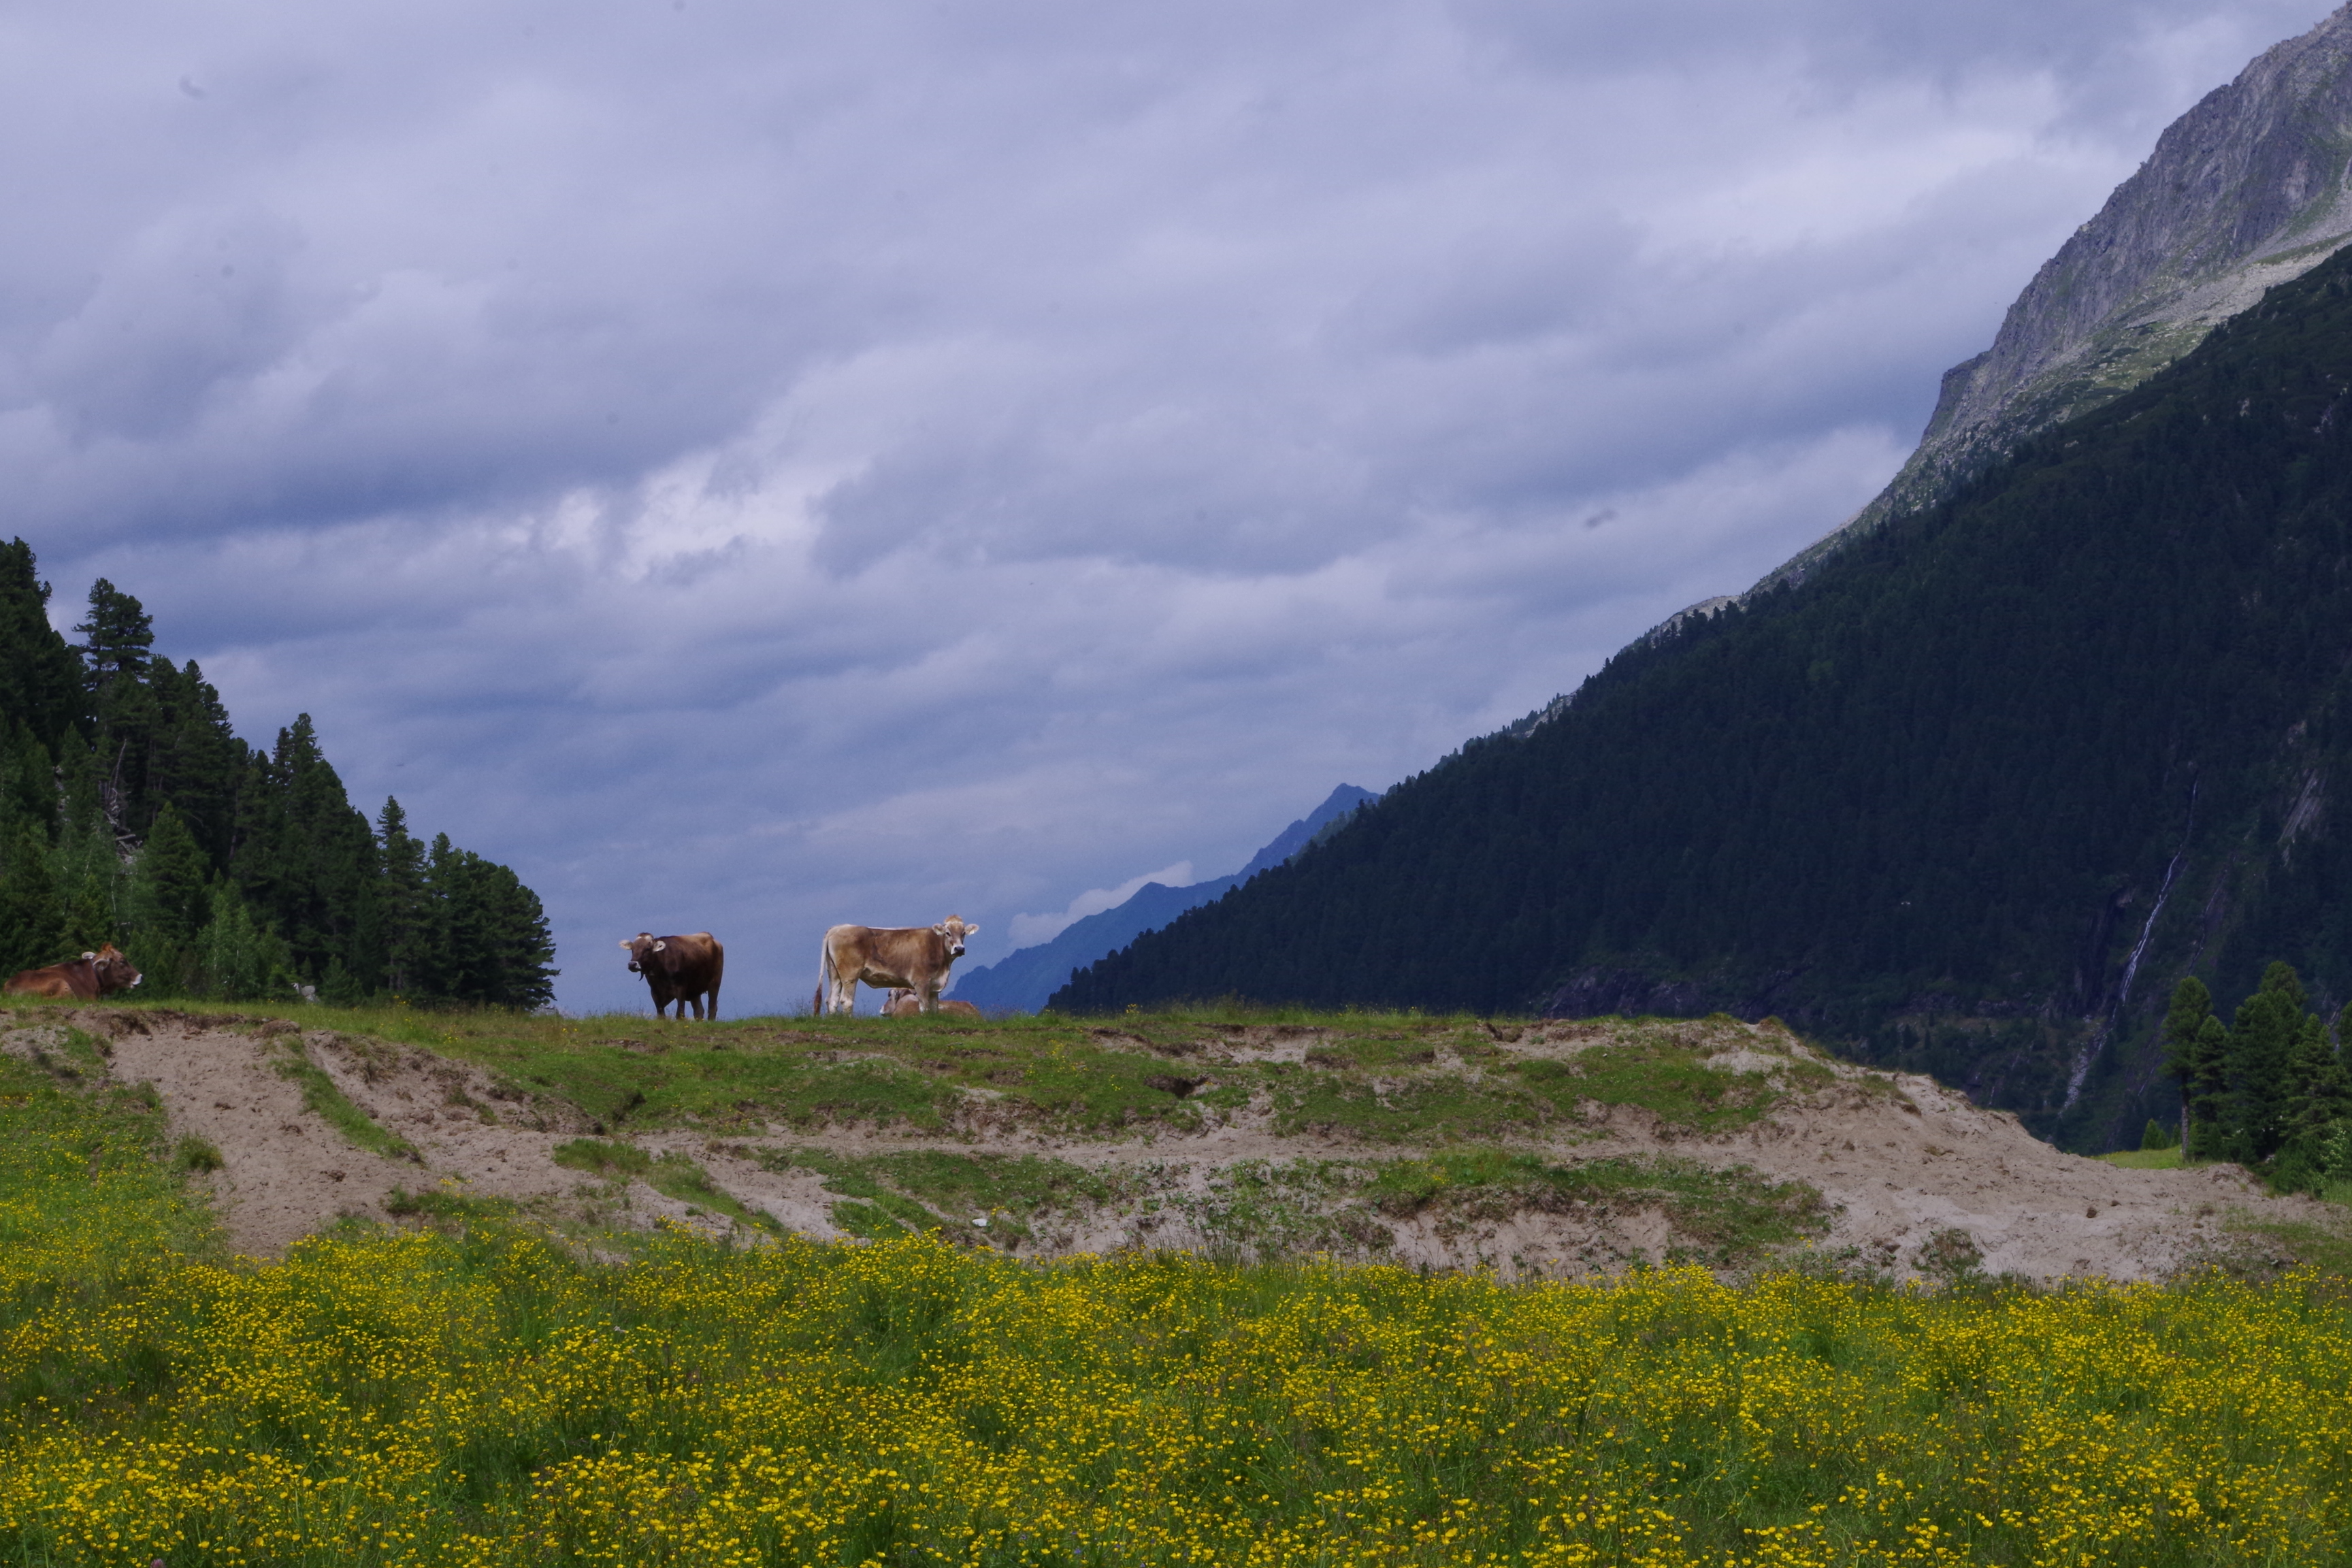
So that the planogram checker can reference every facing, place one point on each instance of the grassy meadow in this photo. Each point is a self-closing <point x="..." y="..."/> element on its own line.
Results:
<point x="475" y="1390"/>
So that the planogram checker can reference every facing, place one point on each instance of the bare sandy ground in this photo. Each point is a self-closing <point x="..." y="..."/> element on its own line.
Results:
<point x="1903" y="1164"/>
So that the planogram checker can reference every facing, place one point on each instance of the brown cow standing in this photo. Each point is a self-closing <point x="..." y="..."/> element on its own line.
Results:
<point x="902" y="1004"/>
<point x="889" y="958"/>
<point x="679" y="969"/>
<point x="83" y="979"/>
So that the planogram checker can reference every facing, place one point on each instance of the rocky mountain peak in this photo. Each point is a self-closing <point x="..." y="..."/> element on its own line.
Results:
<point x="2246" y="190"/>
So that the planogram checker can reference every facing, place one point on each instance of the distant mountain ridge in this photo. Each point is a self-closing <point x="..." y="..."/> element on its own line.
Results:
<point x="1019" y="982"/>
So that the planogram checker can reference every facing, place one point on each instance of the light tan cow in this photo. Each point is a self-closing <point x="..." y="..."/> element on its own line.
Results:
<point x="889" y="958"/>
<point x="902" y="1004"/>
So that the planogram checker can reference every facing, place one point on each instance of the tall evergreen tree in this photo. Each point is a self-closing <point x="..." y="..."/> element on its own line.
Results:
<point x="2212" y="1135"/>
<point x="171" y="900"/>
<point x="497" y="947"/>
<point x="2262" y="1041"/>
<point x="89" y="882"/>
<point x="305" y="859"/>
<point x="238" y="959"/>
<point x="412" y="957"/>
<point x="2184" y="1022"/>
<point x="117" y="637"/>
<point x="2318" y="1090"/>
<point x="192" y="759"/>
<point x="32" y="920"/>
<point x="40" y="679"/>
<point x="28" y="785"/>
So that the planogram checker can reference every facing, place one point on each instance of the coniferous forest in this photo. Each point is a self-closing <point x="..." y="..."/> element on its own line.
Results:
<point x="132" y="813"/>
<point x="1970" y="797"/>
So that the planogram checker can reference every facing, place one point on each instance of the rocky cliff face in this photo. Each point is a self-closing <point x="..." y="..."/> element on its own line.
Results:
<point x="2250" y="188"/>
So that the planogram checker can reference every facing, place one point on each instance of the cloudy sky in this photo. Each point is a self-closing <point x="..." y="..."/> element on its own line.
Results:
<point x="755" y="464"/>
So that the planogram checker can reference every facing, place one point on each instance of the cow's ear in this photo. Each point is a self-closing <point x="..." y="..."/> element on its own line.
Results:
<point x="627" y="945"/>
<point x="89" y="955"/>
<point x="661" y="947"/>
<point x="971" y="930"/>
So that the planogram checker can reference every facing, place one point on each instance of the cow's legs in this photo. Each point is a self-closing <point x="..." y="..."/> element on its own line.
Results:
<point x="714" y="1004"/>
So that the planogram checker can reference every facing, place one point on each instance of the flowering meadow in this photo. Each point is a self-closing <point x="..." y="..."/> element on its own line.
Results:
<point x="482" y="1393"/>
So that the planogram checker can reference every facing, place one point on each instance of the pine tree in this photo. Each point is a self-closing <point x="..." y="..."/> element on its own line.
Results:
<point x="89" y="882"/>
<point x="32" y="920"/>
<point x="498" y="948"/>
<point x="2263" y="1040"/>
<point x="2192" y="1007"/>
<point x="238" y="960"/>
<point x="306" y="860"/>
<point x="2320" y="1090"/>
<point x="40" y="679"/>
<point x="2211" y="1135"/>
<point x="28" y="785"/>
<point x="193" y="760"/>
<point x="171" y="902"/>
<point x="115" y="638"/>
<point x="409" y="946"/>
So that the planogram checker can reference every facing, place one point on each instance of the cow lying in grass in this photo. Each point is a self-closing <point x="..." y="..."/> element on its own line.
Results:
<point x="889" y="958"/>
<point x="83" y="979"/>
<point x="679" y="969"/>
<point x="903" y="1005"/>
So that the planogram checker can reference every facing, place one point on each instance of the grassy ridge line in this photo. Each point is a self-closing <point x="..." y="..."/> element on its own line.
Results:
<point x="1395" y="1077"/>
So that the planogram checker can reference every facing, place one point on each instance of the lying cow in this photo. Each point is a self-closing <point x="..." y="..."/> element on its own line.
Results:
<point x="83" y="979"/>
<point x="893" y="958"/>
<point x="679" y="969"/>
<point x="902" y="1004"/>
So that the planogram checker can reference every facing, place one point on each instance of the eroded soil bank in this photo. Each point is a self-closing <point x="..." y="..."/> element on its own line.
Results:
<point x="1551" y="1150"/>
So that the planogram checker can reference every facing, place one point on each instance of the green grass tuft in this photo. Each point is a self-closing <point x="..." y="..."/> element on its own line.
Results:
<point x="1732" y="1216"/>
<point x="672" y="1175"/>
<point x="613" y="1162"/>
<point x="331" y="1104"/>
<point x="193" y="1153"/>
<point x="2146" y="1159"/>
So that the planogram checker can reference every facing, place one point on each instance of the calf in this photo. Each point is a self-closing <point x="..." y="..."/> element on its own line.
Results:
<point x="83" y="979"/>
<point x="889" y="958"/>
<point x="903" y="1005"/>
<point x="679" y="969"/>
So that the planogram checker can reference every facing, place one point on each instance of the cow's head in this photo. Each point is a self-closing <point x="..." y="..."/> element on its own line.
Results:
<point x="955" y="933"/>
<point x="113" y="971"/>
<point x="641" y="949"/>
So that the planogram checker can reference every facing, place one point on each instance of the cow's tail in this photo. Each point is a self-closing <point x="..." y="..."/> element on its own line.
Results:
<point x="824" y="977"/>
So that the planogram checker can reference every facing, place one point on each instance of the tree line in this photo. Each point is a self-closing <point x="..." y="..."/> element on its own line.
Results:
<point x="2270" y="1088"/>
<point x="131" y="812"/>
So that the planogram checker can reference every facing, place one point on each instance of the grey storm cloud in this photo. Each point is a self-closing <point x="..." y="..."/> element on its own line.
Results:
<point x="750" y="465"/>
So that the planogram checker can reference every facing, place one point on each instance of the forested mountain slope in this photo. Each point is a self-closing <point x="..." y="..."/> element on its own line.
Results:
<point x="132" y="813"/>
<point x="1970" y="797"/>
